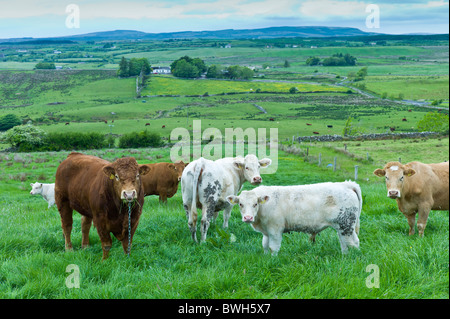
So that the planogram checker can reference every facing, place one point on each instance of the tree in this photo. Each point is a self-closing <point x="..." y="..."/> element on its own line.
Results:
<point x="136" y="65"/>
<point x="286" y="64"/>
<point x="184" y="69"/>
<point x="214" y="72"/>
<point x="348" y="127"/>
<point x="433" y="122"/>
<point x="9" y="121"/>
<point x="361" y="74"/>
<point x="246" y="73"/>
<point x="45" y="65"/>
<point x="133" y="67"/>
<point x="312" y="60"/>
<point x="123" y="71"/>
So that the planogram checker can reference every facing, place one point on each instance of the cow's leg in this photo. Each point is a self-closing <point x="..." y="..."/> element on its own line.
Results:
<point x="226" y="215"/>
<point x="275" y="242"/>
<point x="163" y="196"/>
<point x="312" y="238"/>
<point x="265" y="243"/>
<point x="192" y="223"/>
<point x="347" y="240"/>
<point x="208" y="213"/>
<point x="411" y="222"/>
<point x="424" y="211"/>
<point x="105" y="238"/>
<point x="65" y="211"/>
<point x="86" y="223"/>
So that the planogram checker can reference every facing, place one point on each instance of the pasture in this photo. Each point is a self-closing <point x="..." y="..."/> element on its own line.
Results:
<point x="165" y="263"/>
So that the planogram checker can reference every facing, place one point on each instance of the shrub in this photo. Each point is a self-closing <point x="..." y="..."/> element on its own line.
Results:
<point x="24" y="136"/>
<point x="73" y="141"/>
<point x="140" y="139"/>
<point x="433" y="122"/>
<point x="9" y="121"/>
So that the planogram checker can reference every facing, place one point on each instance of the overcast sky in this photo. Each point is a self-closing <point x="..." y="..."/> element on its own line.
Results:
<point x="47" y="18"/>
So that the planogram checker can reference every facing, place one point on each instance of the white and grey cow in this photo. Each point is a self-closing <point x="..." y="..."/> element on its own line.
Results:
<point x="206" y="184"/>
<point x="46" y="190"/>
<point x="274" y="210"/>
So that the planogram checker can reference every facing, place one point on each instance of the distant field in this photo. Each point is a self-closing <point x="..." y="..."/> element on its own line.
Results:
<point x="168" y="85"/>
<point x="412" y="87"/>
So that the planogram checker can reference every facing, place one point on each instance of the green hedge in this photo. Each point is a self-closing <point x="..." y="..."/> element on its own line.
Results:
<point x="67" y="141"/>
<point x="140" y="139"/>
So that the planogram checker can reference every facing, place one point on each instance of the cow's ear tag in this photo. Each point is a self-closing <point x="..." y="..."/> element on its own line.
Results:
<point x="111" y="176"/>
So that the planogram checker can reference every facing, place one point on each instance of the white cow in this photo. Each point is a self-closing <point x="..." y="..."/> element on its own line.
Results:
<point x="207" y="183"/>
<point x="46" y="190"/>
<point x="274" y="210"/>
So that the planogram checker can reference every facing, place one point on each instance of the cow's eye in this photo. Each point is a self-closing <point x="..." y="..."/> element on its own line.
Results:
<point x="137" y="176"/>
<point x="240" y="205"/>
<point x="255" y="205"/>
<point x="246" y="168"/>
<point x="117" y="177"/>
<point x="401" y="178"/>
<point x="387" y="178"/>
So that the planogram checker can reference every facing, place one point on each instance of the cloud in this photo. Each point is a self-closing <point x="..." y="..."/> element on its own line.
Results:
<point x="135" y="9"/>
<point x="323" y="9"/>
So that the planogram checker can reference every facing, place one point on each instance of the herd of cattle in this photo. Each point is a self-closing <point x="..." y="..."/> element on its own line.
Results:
<point x="111" y="195"/>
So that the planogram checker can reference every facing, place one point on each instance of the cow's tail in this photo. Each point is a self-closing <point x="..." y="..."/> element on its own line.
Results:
<point x="355" y="187"/>
<point x="197" y="171"/>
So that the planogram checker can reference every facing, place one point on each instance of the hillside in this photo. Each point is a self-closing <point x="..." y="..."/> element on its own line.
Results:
<point x="263" y="33"/>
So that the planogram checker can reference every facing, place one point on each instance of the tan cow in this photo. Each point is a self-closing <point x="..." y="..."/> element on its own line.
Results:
<point x="418" y="188"/>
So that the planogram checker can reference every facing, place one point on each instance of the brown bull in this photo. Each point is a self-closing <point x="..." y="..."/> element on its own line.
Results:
<point x="100" y="191"/>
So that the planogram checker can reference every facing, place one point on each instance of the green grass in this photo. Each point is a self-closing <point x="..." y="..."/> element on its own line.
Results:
<point x="162" y="85"/>
<point x="165" y="263"/>
<point x="411" y="87"/>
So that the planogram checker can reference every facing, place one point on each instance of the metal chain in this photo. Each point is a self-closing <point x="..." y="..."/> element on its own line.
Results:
<point x="129" y="230"/>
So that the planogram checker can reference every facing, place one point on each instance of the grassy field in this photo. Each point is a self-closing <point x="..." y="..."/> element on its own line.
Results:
<point x="165" y="263"/>
<point x="411" y="87"/>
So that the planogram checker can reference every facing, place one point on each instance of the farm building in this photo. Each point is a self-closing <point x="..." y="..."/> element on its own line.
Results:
<point x="161" y="70"/>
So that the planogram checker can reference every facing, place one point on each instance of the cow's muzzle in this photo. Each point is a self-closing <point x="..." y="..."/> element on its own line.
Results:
<point x="256" y="180"/>
<point x="129" y="195"/>
<point x="393" y="194"/>
<point x="247" y="219"/>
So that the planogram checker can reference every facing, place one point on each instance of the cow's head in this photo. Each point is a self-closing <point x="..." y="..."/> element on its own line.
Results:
<point x="249" y="204"/>
<point x="36" y="188"/>
<point x="125" y="175"/>
<point x="250" y="165"/>
<point x="395" y="173"/>
<point x="178" y="168"/>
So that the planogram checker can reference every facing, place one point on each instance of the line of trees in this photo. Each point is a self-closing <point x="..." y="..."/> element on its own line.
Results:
<point x="133" y="67"/>
<point x="187" y="67"/>
<point x="337" y="59"/>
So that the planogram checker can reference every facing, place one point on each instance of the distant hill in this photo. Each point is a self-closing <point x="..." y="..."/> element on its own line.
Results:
<point x="229" y="34"/>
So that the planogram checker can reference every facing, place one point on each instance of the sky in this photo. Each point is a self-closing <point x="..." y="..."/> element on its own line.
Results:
<point x="51" y="18"/>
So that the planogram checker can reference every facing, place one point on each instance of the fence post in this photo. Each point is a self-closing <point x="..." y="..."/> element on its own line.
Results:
<point x="334" y="166"/>
<point x="320" y="159"/>
<point x="356" y="172"/>
<point x="399" y="159"/>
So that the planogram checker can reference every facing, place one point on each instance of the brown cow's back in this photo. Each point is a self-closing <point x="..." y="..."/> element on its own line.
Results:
<point x="430" y="180"/>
